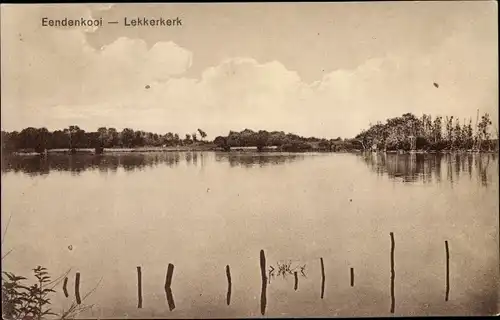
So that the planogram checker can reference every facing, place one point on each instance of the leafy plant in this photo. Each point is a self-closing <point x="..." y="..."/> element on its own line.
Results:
<point x="12" y="296"/>
<point x="26" y="302"/>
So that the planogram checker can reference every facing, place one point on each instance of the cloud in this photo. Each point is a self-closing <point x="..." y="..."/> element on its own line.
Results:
<point x="122" y="73"/>
<point x="242" y="84"/>
<point x="131" y="56"/>
<point x="64" y="71"/>
<point x="62" y="80"/>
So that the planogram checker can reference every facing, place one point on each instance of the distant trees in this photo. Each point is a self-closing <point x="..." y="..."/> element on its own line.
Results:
<point x="468" y="135"/>
<point x="203" y="134"/>
<point x="28" y="138"/>
<point x="10" y="141"/>
<point x="437" y="130"/>
<point x="483" y="136"/>
<point x="406" y="132"/>
<point x="103" y="136"/>
<point x="127" y="138"/>
<point x="283" y="141"/>
<point x="73" y="137"/>
<point x="409" y="132"/>
<point x="221" y="142"/>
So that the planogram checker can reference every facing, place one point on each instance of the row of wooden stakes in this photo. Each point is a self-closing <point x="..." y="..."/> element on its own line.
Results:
<point x="263" y="300"/>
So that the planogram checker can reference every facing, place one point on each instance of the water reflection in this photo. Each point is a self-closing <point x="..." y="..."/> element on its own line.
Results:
<point x="257" y="159"/>
<point x="39" y="165"/>
<point x="429" y="168"/>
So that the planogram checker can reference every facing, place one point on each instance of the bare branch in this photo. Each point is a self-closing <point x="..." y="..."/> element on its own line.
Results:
<point x="6" y="228"/>
<point x="58" y="280"/>
<point x="5" y="255"/>
<point x="75" y="309"/>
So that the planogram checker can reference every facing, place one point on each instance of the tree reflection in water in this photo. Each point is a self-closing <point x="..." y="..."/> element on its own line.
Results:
<point x="40" y="165"/>
<point x="426" y="168"/>
<point x="429" y="168"/>
<point x="251" y="159"/>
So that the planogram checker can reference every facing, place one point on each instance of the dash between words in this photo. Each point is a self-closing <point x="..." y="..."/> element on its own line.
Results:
<point x="128" y="22"/>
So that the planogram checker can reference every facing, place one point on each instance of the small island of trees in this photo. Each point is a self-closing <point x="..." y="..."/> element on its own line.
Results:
<point x="411" y="133"/>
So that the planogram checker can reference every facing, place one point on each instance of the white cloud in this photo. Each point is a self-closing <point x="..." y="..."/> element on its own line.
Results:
<point x="242" y="84"/>
<point x="63" y="70"/>
<point x="69" y="82"/>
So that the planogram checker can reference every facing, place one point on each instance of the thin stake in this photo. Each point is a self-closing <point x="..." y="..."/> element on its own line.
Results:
<point x="263" y="298"/>
<point x="170" y="299"/>
<point x="170" y="271"/>
<point x="65" y="287"/>
<point x="77" y="288"/>
<point x="322" y="278"/>
<point x="447" y="271"/>
<point x="139" y="287"/>
<point x="228" y="274"/>
<point x="393" y="273"/>
<point x="352" y="277"/>
<point x="168" y="290"/>
<point x="296" y="280"/>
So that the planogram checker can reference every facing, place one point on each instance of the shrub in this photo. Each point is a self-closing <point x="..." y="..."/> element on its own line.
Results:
<point x="22" y="302"/>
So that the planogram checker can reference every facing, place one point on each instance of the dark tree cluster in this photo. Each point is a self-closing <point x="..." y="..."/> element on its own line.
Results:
<point x="283" y="141"/>
<point x="73" y="137"/>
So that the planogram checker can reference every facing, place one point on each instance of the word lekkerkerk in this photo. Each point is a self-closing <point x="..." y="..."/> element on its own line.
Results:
<point x="160" y="22"/>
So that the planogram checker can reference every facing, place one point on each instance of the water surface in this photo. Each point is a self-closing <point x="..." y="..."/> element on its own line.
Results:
<point x="202" y="211"/>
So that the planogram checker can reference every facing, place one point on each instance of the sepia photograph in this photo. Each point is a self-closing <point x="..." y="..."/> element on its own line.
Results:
<point x="249" y="160"/>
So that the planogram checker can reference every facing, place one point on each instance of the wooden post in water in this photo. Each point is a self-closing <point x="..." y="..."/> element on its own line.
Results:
<point x="77" y="288"/>
<point x="228" y="275"/>
<point x="322" y="278"/>
<point x="296" y="286"/>
<point x="139" y="288"/>
<point x="352" y="277"/>
<point x="170" y="272"/>
<point x="447" y="271"/>
<point x="393" y="273"/>
<point x="65" y="287"/>
<point x="263" y="298"/>
<point x="168" y="290"/>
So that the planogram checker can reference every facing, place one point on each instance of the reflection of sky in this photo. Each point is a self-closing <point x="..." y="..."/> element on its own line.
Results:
<point x="428" y="168"/>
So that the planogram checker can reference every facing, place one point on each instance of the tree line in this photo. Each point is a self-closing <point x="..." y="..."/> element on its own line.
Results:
<point x="406" y="132"/>
<point x="439" y="134"/>
<point x="73" y="137"/>
<point x="283" y="141"/>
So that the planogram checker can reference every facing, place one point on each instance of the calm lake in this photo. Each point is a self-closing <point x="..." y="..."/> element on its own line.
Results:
<point x="105" y="215"/>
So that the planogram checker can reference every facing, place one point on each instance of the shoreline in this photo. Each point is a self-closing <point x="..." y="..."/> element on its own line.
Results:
<point x="211" y="148"/>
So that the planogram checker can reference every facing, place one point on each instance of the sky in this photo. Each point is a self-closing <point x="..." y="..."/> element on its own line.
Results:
<point x="315" y="69"/>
